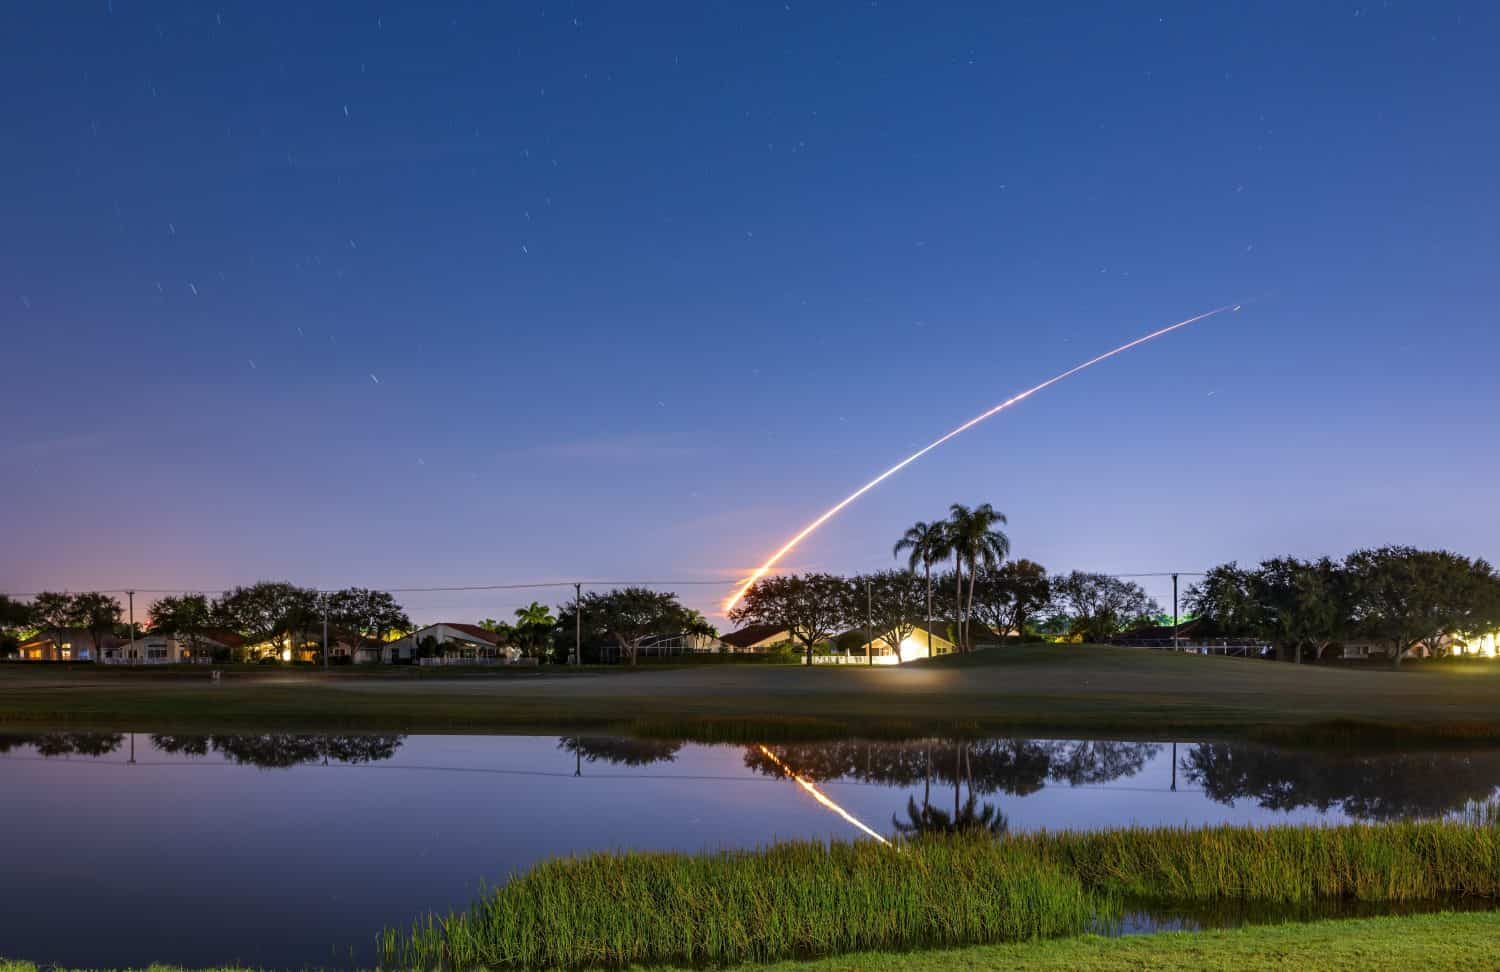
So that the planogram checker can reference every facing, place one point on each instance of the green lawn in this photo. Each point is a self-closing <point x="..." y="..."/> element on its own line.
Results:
<point x="1460" y="942"/>
<point x="1026" y="688"/>
<point x="1464" y="942"/>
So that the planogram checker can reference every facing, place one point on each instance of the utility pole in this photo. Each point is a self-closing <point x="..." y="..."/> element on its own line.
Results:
<point x="1174" y="616"/>
<point x="870" y="627"/>
<point x="131" y="596"/>
<point x="325" y="633"/>
<point x="577" y="623"/>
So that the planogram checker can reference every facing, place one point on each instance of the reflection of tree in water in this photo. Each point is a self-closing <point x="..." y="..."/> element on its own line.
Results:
<point x="1010" y="766"/>
<point x="1367" y="786"/>
<point x="970" y="818"/>
<point x="621" y="751"/>
<point x="278" y="750"/>
<point x="65" y="743"/>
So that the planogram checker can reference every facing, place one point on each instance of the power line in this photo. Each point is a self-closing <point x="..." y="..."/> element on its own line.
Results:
<point x="410" y="590"/>
<point x="531" y="585"/>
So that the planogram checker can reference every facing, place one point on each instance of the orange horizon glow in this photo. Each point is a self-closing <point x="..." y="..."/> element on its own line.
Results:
<point x="791" y="544"/>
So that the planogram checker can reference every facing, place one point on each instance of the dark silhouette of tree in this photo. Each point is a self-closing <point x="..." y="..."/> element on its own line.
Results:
<point x="925" y="544"/>
<point x="1006" y="598"/>
<point x="811" y="607"/>
<point x="1368" y="786"/>
<point x="894" y="606"/>
<point x="65" y="743"/>
<point x="975" y="542"/>
<point x="621" y="750"/>
<point x="1098" y="605"/>
<point x="971" y="818"/>
<point x="280" y="750"/>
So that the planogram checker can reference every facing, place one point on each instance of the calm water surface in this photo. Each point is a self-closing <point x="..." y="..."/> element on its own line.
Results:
<point x="295" y="850"/>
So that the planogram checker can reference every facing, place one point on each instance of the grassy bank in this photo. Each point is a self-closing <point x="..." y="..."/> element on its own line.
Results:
<point x="1439" y="941"/>
<point x="807" y="899"/>
<point x="1033" y="689"/>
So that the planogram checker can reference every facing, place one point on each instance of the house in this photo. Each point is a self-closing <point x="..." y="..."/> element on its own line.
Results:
<point x="156" y="648"/>
<point x="913" y="646"/>
<point x="1483" y="645"/>
<point x="455" y="642"/>
<point x="69" y="644"/>
<point x="756" y="637"/>
<point x="853" y="644"/>
<point x="344" y="647"/>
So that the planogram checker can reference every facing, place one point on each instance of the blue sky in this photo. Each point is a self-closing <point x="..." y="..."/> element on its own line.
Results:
<point x="444" y="294"/>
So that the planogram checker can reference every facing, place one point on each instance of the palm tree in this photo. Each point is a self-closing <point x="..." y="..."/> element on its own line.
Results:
<point x="534" y="619"/>
<point x="971" y="818"/>
<point x="926" y="542"/>
<point x="974" y="541"/>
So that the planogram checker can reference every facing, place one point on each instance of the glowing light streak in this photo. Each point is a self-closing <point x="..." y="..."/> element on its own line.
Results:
<point x="803" y="534"/>
<point x="820" y="796"/>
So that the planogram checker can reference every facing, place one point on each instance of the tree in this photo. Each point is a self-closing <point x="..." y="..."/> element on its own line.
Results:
<point x="1007" y="597"/>
<point x="267" y="609"/>
<point x="534" y="624"/>
<point x="1406" y="597"/>
<point x="186" y="617"/>
<point x="500" y="629"/>
<point x="97" y="614"/>
<point x="1301" y="603"/>
<point x="1226" y="597"/>
<point x="365" y="613"/>
<point x="630" y="615"/>
<point x="52" y="612"/>
<point x="621" y="750"/>
<point x="15" y="618"/>
<point x="925" y="544"/>
<point x="895" y="604"/>
<point x="811" y="607"/>
<point x="1098" y="605"/>
<point x="974" y="542"/>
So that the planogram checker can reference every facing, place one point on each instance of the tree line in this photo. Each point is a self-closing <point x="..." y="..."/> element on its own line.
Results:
<point x="269" y="611"/>
<point x="987" y="595"/>
<point x="1400" y="598"/>
<point x="257" y="612"/>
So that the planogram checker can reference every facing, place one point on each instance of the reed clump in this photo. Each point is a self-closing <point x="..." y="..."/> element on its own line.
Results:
<point x="786" y="901"/>
<point x="801" y="900"/>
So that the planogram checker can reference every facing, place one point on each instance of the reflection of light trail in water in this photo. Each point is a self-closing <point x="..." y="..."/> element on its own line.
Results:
<point x="820" y="796"/>
<point x="764" y="568"/>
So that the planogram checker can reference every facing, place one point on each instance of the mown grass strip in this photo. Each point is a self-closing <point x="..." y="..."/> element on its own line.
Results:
<point x="807" y="899"/>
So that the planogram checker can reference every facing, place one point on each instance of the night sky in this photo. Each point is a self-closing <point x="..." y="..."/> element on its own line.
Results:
<point x="432" y="294"/>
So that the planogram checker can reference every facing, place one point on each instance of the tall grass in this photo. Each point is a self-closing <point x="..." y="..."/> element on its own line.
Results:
<point x="808" y="899"/>
<point x="1366" y="862"/>
<point x="790" y="900"/>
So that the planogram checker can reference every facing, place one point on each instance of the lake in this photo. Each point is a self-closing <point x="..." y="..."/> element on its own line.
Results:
<point x="289" y="850"/>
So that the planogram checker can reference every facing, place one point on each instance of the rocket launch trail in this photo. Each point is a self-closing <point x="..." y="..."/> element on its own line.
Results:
<point x="834" y="510"/>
